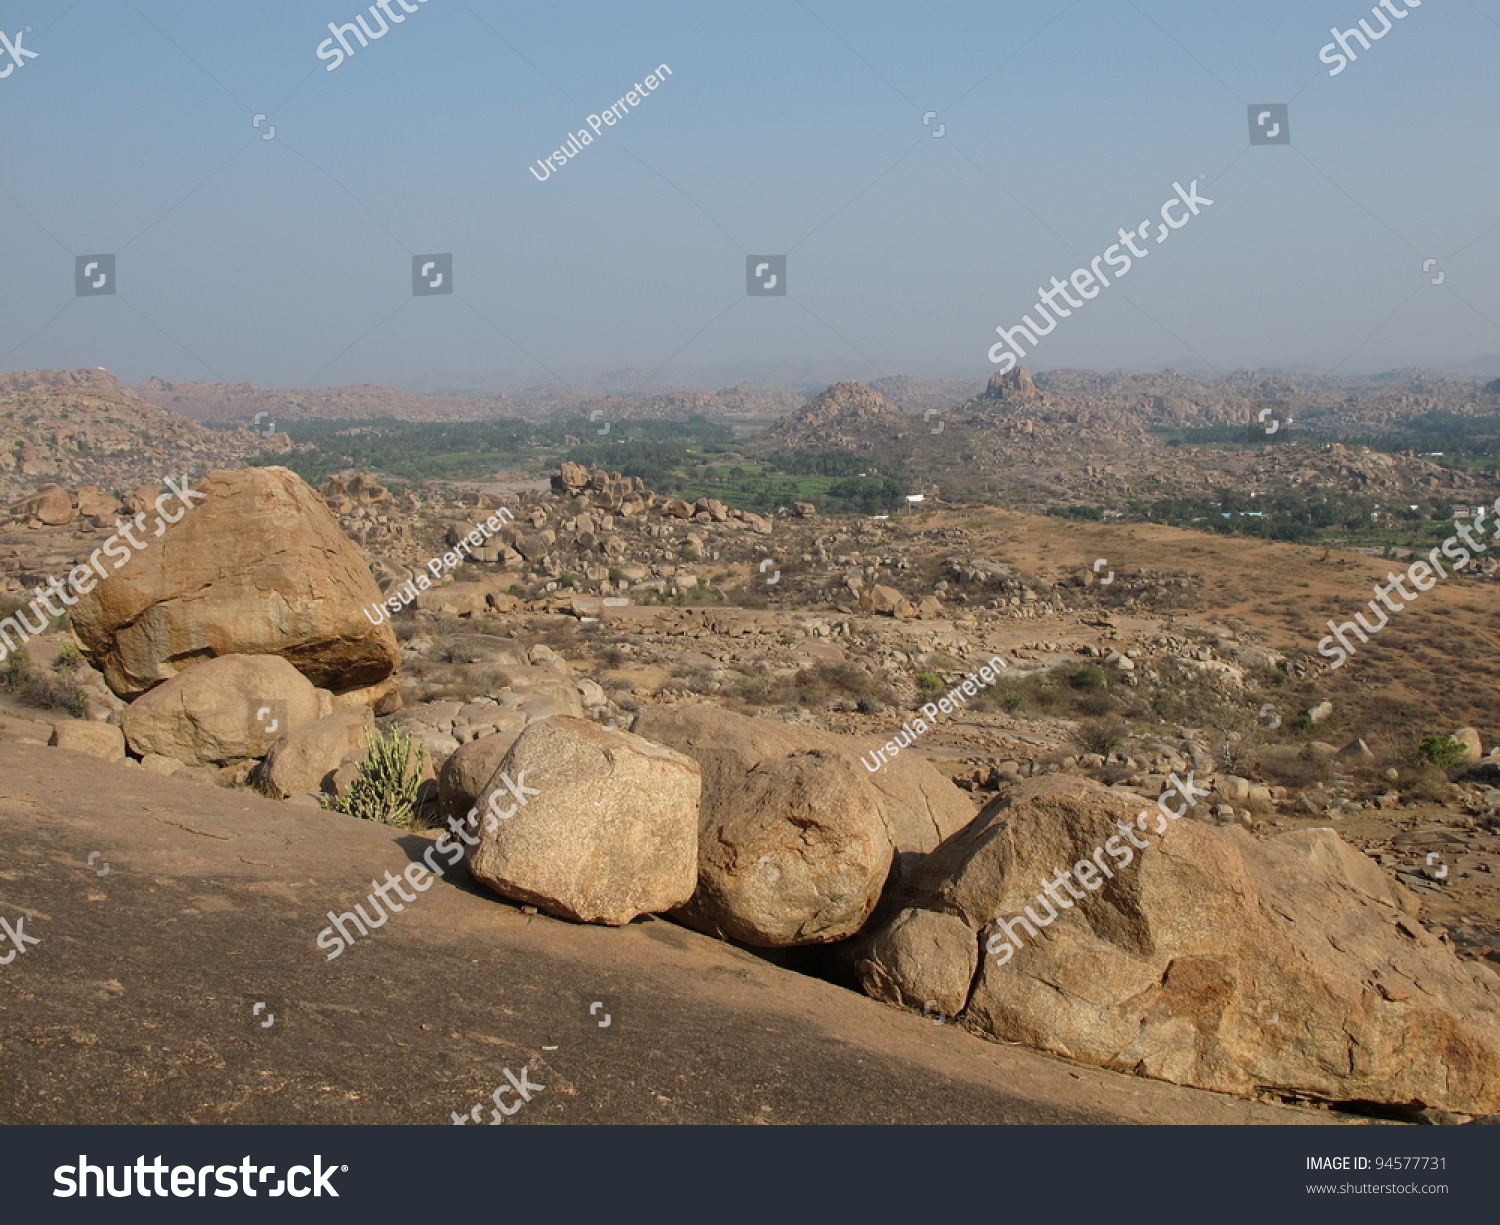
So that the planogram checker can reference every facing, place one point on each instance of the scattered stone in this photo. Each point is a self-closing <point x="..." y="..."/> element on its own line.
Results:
<point x="921" y="959"/>
<point x="302" y="760"/>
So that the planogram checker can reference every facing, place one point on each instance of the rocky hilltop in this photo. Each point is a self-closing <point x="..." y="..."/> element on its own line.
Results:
<point x="846" y="417"/>
<point x="81" y="427"/>
<point x="239" y="403"/>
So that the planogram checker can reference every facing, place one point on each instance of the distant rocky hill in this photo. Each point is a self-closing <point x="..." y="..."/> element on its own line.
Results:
<point x="1012" y="408"/>
<point x="1166" y="399"/>
<point x="846" y="417"/>
<point x="81" y="427"/>
<point x="239" y="403"/>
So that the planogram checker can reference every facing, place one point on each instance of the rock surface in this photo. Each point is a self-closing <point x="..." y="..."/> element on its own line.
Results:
<point x="1211" y="960"/>
<point x="1472" y="746"/>
<point x="102" y="740"/>
<point x="259" y="568"/>
<point x="611" y="833"/>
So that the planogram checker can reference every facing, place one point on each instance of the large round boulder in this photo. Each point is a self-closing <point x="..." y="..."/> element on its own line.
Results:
<point x="255" y="564"/>
<point x="589" y="823"/>
<point x="797" y="836"/>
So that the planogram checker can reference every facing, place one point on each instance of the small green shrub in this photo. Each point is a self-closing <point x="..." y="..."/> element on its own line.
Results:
<point x="1087" y="677"/>
<point x="929" y="684"/>
<point x="385" y="789"/>
<point x="18" y="669"/>
<point x="21" y="678"/>
<point x="68" y="657"/>
<point x="1441" y="751"/>
<point x="1101" y="736"/>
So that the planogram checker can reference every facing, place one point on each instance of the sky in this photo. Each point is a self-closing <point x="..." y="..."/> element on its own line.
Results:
<point x="924" y="168"/>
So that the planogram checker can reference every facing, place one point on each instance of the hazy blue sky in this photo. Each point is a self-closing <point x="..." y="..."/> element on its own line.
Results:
<point x="785" y="128"/>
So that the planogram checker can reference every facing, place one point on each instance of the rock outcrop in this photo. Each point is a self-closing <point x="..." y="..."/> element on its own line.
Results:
<point x="1209" y="958"/>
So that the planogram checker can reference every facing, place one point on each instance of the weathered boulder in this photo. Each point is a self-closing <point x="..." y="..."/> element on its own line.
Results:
<point x="571" y="477"/>
<point x="51" y="504"/>
<point x="383" y="699"/>
<point x="301" y="760"/>
<point x="886" y="601"/>
<point x="456" y="599"/>
<point x="921" y="959"/>
<point x="94" y="501"/>
<point x="1205" y="958"/>
<point x="102" y="740"/>
<point x="462" y="779"/>
<point x="919" y="806"/>
<point x="797" y="836"/>
<point x="540" y="691"/>
<point x="1472" y="746"/>
<point x="483" y="649"/>
<point x="353" y="489"/>
<point x="601" y="827"/>
<point x="258" y="567"/>
<point x="228" y="709"/>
